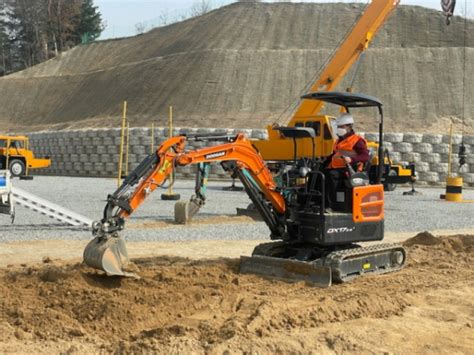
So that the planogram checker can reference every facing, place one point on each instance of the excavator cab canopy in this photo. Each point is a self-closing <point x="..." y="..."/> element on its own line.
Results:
<point x="354" y="100"/>
<point x="345" y="99"/>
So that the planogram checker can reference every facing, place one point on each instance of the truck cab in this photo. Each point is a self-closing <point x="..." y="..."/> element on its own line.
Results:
<point x="16" y="156"/>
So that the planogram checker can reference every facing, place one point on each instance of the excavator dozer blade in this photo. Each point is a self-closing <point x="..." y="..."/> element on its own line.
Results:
<point x="108" y="254"/>
<point x="184" y="211"/>
<point x="286" y="270"/>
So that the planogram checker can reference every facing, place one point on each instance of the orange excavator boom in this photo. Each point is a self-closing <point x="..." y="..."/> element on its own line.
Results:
<point x="107" y="251"/>
<point x="171" y="154"/>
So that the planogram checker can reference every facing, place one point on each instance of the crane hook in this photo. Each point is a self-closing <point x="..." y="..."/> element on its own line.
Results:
<point x="448" y="9"/>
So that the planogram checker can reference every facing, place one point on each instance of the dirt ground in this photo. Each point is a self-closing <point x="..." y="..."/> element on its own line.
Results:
<point x="182" y="305"/>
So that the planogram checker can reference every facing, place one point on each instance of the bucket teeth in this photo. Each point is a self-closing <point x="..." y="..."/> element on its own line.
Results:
<point x="108" y="254"/>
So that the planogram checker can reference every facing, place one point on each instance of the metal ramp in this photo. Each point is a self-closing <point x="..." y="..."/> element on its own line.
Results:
<point x="7" y="203"/>
<point x="49" y="209"/>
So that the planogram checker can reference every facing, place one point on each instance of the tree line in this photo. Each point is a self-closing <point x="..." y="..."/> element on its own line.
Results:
<point x="32" y="31"/>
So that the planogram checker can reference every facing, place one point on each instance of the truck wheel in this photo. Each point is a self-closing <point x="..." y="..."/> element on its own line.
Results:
<point x="17" y="167"/>
<point x="390" y="187"/>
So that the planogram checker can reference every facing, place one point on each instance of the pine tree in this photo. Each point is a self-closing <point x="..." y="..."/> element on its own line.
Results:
<point x="90" y="22"/>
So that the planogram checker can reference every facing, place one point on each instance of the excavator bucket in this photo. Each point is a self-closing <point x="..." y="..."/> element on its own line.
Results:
<point x="184" y="211"/>
<point x="286" y="270"/>
<point x="108" y="254"/>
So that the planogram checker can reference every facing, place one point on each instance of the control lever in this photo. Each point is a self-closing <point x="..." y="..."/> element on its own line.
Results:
<point x="356" y="178"/>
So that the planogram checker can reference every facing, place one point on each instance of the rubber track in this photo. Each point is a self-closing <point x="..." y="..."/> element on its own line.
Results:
<point x="335" y="259"/>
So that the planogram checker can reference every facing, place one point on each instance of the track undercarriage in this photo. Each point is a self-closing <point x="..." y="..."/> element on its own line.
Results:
<point x="322" y="266"/>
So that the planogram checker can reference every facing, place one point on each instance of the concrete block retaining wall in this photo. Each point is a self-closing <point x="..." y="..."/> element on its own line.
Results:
<point x="95" y="152"/>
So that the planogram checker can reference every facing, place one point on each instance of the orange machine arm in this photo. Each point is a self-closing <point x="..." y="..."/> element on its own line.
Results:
<point x="171" y="153"/>
<point x="350" y="50"/>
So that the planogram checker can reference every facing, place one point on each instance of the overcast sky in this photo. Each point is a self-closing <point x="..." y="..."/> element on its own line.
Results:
<point x="121" y="16"/>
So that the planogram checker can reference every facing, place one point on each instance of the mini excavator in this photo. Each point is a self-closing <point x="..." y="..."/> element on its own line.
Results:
<point x="312" y="241"/>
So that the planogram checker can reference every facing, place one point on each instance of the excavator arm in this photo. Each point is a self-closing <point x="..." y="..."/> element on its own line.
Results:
<point x="107" y="251"/>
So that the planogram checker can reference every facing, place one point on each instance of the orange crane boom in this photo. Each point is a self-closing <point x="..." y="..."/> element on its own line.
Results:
<point x="348" y="53"/>
<point x="276" y="147"/>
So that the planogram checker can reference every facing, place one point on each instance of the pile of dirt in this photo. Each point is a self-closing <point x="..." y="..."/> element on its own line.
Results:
<point x="241" y="66"/>
<point x="186" y="306"/>
<point x="457" y="243"/>
<point x="423" y="238"/>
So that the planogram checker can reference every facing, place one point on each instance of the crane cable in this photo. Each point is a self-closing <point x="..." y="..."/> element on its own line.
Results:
<point x="462" y="148"/>
<point x="292" y="106"/>
<point x="448" y="9"/>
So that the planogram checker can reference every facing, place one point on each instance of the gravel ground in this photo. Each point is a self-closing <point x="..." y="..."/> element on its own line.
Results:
<point x="87" y="196"/>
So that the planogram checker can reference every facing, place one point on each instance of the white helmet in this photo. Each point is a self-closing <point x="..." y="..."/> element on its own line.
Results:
<point x="345" y="118"/>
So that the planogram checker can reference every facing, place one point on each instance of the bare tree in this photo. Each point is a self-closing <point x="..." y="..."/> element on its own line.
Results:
<point x="200" y="7"/>
<point x="163" y="18"/>
<point x="140" y="27"/>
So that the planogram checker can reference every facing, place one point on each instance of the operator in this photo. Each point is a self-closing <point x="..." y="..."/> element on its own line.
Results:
<point x="349" y="148"/>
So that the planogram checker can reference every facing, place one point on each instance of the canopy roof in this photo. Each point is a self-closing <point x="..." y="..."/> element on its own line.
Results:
<point x="346" y="99"/>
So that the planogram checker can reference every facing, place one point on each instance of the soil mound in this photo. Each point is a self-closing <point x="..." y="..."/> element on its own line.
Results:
<point x="241" y="66"/>
<point x="456" y="243"/>
<point x="423" y="238"/>
<point x="181" y="305"/>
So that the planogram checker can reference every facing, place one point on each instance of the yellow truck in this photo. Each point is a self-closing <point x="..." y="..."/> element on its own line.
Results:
<point x="16" y="156"/>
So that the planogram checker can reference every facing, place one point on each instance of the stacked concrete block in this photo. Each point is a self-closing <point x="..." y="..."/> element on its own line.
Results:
<point x="470" y="159"/>
<point x="403" y="147"/>
<point x="456" y="139"/>
<point x="371" y="137"/>
<point x="413" y="137"/>
<point x="468" y="178"/>
<point x="431" y="157"/>
<point x="432" y="138"/>
<point x="95" y="152"/>
<point x="442" y="148"/>
<point x="468" y="141"/>
<point x="439" y="167"/>
<point x="422" y="148"/>
<point x="429" y="176"/>
<point x="395" y="156"/>
<point x="422" y="166"/>
<point x="411" y="157"/>
<point x="393" y="137"/>
<point x="388" y="146"/>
